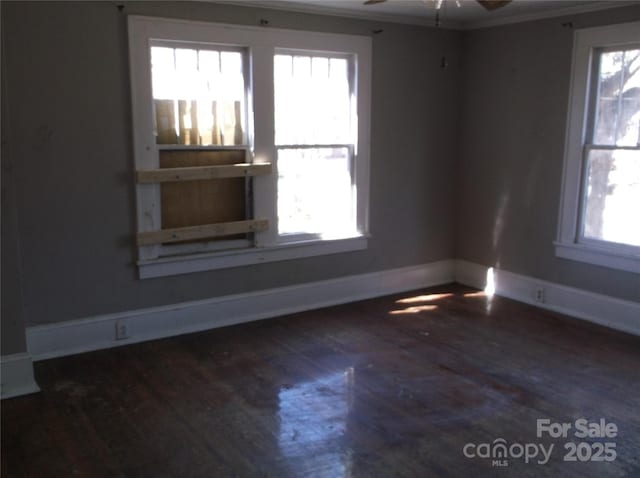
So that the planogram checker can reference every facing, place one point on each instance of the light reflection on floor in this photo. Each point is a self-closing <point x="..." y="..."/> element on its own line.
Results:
<point x="313" y="419"/>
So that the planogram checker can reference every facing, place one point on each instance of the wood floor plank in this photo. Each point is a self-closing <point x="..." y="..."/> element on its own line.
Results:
<point x="393" y="386"/>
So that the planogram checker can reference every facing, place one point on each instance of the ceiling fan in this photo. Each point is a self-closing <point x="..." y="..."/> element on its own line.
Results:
<point x="488" y="4"/>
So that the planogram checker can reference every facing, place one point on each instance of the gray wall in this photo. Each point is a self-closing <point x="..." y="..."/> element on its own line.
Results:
<point x="70" y="136"/>
<point x="510" y="167"/>
<point x="12" y="334"/>
<point x="67" y="205"/>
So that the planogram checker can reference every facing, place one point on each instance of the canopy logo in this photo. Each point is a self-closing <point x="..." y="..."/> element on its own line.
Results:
<point x="500" y="452"/>
<point x="582" y="443"/>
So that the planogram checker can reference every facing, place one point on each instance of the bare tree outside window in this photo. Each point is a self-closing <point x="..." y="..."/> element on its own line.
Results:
<point x="612" y="195"/>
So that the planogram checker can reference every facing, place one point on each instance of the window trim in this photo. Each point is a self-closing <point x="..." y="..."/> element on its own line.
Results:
<point x="261" y="43"/>
<point x="166" y="266"/>
<point x="569" y="243"/>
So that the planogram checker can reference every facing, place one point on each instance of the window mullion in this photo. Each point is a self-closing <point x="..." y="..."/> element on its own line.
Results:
<point x="265" y="187"/>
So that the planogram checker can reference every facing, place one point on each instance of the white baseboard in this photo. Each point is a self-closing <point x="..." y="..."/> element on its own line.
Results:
<point x="601" y="309"/>
<point x="99" y="332"/>
<point x="16" y="372"/>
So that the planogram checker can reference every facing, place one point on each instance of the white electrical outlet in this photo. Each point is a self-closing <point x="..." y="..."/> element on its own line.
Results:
<point x="121" y="330"/>
<point x="539" y="294"/>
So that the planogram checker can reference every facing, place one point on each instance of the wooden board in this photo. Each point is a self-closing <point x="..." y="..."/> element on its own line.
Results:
<point x="199" y="202"/>
<point x="193" y="173"/>
<point x="165" y="122"/>
<point x="207" y="231"/>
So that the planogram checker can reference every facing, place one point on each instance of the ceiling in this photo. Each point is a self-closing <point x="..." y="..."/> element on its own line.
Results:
<point x="468" y="15"/>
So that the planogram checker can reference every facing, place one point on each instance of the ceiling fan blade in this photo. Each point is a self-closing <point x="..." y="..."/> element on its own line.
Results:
<point x="373" y="2"/>
<point x="493" y="4"/>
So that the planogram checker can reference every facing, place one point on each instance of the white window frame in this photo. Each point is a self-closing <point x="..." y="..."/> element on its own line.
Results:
<point x="167" y="250"/>
<point x="261" y="43"/>
<point x="292" y="237"/>
<point x="570" y="244"/>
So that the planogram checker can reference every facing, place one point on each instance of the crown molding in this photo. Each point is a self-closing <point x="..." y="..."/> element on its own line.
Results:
<point x="339" y="12"/>
<point x="596" y="5"/>
<point x="561" y="12"/>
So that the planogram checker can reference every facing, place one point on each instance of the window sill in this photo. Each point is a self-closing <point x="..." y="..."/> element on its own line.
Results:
<point x="168" y="266"/>
<point x="599" y="256"/>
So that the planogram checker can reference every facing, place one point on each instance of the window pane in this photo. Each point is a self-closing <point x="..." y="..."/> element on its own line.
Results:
<point x="199" y="96"/>
<point x="617" y="119"/>
<point x="312" y="100"/>
<point x="613" y="197"/>
<point x="315" y="195"/>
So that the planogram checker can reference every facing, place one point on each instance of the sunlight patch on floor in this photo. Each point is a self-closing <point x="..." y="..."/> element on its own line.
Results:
<point x="413" y="310"/>
<point x="423" y="298"/>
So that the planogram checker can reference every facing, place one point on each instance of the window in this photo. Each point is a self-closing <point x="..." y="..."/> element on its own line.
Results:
<point x="315" y="141"/>
<point x="599" y="220"/>
<point x="199" y="105"/>
<point x="198" y="95"/>
<point x="250" y="144"/>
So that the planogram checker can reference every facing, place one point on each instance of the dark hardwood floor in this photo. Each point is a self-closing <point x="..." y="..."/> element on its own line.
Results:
<point x="391" y="387"/>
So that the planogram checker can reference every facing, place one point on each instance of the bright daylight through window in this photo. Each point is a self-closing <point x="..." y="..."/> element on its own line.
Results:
<point x="613" y="162"/>
<point x="198" y="95"/>
<point x="599" y="220"/>
<point x="251" y="144"/>
<point x="315" y="138"/>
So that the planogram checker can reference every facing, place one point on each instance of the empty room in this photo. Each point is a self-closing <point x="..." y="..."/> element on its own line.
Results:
<point x="320" y="238"/>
